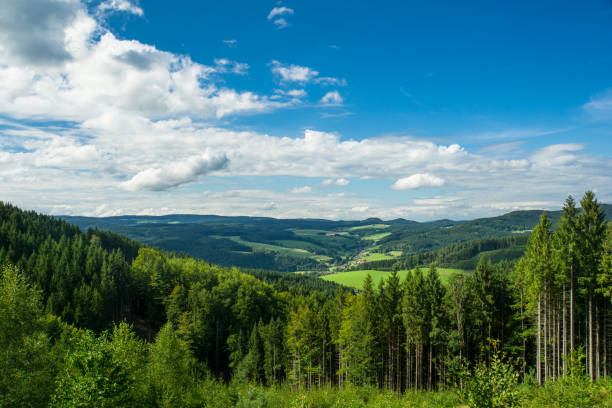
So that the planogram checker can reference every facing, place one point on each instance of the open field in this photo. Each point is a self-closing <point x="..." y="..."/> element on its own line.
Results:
<point x="371" y="226"/>
<point x="257" y="246"/>
<point x="376" y="256"/>
<point x="354" y="279"/>
<point x="376" y="237"/>
<point x="371" y="254"/>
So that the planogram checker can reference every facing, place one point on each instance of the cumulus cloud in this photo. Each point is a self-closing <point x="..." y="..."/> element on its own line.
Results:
<point x="418" y="180"/>
<point x="296" y="93"/>
<point x="292" y="73"/>
<point x="332" y="98"/>
<point x="330" y="81"/>
<point x="33" y="31"/>
<point x="556" y="155"/>
<point x="279" y="11"/>
<point x="175" y="174"/>
<point x="223" y="65"/>
<point x="281" y="23"/>
<point x="296" y="73"/>
<point x="121" y="5"/>
<point x="54" y="56"/>
<point x="120" y="122"/>
<point x="301" y="190"/>
<point x="336" y="182"/>
<point x="276" y="16"/>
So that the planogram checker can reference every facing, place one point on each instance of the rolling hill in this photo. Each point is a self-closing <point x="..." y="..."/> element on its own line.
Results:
<point x="311" y="244"/>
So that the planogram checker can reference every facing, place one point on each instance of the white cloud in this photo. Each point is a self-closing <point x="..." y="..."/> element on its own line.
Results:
<point x="417" y="181"/>
<point x="230" y="43"/>
<point x="281" y="23"/>
<point x="223" y="65"/>
<point x="434" y="201"/>
<point x="106" y="114"/>
<point x="293" y="93"/>
<point x="301" y="190"/>
<point x="175" y="174"/>
<point x="600" y="106"/>
<point x="556" y="155"/>
<point x="337" y="182"/>
<point x="302" y="74"/>
<point x="292" y="73"/>
<point x="32" y="32"/>
<point x="332" y="98"/>
<point x="121" y="5"/>
<point x="330" y="81"/>
<point x="279" y="11"/>
<point x="56" y="59"/>
<point x="276" y="14"/>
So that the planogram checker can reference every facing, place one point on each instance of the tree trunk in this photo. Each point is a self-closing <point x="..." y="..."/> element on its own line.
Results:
<point x="558" y="342"/>
<point x="564" y="333"/>
<point x="539" y="343"/>
<point x="523" y="334"/>
<point x="545" y="338"/>
<point x="430" y="366"/>
<point x="408" y="370"/>
<point x="553" y="336"/>
<point x="591" y="373"/>
<point x="597" y="344"/>
<point x="416" y="367"/>
<point x="571" y="307"/>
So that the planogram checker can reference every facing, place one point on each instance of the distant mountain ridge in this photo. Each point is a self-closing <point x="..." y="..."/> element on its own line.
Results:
<point x="306" y="244"/>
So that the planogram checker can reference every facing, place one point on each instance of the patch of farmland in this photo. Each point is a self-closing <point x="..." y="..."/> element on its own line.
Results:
<point x="354" y="279"/>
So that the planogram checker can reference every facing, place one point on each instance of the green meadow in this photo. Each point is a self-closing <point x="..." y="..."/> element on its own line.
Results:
<point x="354" y="279"/>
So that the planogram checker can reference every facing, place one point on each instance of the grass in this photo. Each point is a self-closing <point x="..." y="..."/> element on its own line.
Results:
<point x="354" y="279"/>
<point x="376" y="237"/>
<point x="258" y="246"/>
<point x="308" y="232"/>
<point x="376" y="256"/>
<point x="308" y="246"/>
<point x="371" y="226"/>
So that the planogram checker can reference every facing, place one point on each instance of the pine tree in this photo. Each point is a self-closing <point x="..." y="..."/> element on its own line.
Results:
<point x="565" y="241"/>
<point x="538" y="261"/>
<point x="591" y="233"/>
<point x="438" y="325"/>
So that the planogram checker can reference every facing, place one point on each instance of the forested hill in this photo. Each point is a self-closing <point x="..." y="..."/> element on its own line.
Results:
<point x="308" y="244"/>
<point x="96" y="320"/>
<point x="513" y="223"/>
<point x="95" y="278"/>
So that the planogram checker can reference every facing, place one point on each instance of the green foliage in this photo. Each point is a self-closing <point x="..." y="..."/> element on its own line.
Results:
<point x="492" y="385"/>
<point x="271" y="339"/>
<point x="28" y="361"/>
<point x="173" y="371"/>
<point x="94" y="375"/>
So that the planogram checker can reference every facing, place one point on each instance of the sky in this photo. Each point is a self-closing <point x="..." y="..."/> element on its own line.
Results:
<point x="304" y="109"/>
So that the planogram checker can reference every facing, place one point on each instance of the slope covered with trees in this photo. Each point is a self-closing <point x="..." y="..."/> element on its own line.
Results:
<point x="91" y="319"/>
<point x="290" y="245"/>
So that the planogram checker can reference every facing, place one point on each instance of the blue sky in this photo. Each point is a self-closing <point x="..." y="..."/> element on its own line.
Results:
<point x="413" y="109"/>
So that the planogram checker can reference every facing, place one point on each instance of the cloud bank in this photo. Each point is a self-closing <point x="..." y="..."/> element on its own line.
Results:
<point x="89" y="118"/>
<point x="418" y="180"/>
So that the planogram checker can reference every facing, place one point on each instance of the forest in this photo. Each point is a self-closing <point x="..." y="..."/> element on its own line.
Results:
<point x="95" y="319"/>
<point x="290" y="245"/>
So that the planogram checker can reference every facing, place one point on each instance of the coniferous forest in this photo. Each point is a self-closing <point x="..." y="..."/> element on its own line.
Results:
<point x="94" y="319"/>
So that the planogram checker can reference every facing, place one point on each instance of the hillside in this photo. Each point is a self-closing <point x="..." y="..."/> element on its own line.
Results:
<point x="308" y="244"/>
<point x="157" y="326"/>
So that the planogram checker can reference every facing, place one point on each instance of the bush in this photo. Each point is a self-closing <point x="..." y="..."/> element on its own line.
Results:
<point x="491" y="386"/>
